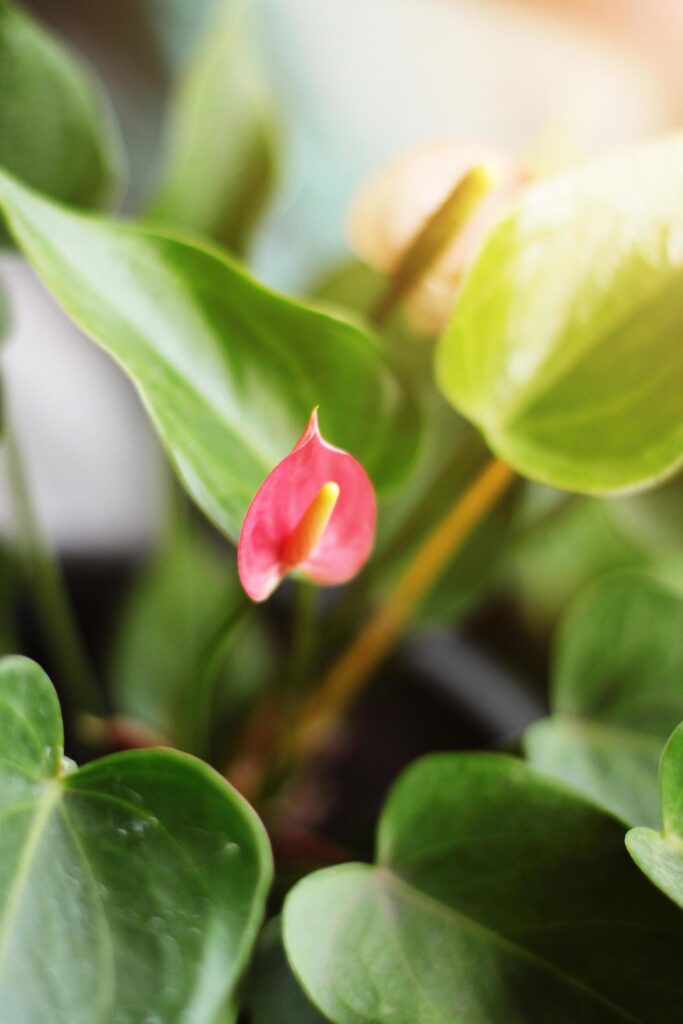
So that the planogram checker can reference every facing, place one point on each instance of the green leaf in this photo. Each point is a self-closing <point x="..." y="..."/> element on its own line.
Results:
<point x="564" y="347"/>
<point x="221" y="162"/>
<point x="228" y="370"/>
<point x="558" y="553"/>
<point x="56" y="131"/>
<point x="131" y="889"/>
<point x="189" y="651"/>
<point x="617" y="693"/>
<point x="275" y="996"/>
<point x="660" y="854"/>
<point x="497" y="897"/>
<point x="653" y="520"/>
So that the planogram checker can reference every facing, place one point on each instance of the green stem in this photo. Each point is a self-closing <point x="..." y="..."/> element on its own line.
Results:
<point x="49" y="594"/>
<point x="302" y="645"/>
<point x="200" y="702"/>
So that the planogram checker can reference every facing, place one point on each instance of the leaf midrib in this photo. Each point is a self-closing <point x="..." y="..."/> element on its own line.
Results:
<point x="388" y="879"/>
<point x="45" y="804"/>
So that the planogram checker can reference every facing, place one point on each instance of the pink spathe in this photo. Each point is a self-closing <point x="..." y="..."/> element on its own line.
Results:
<point x="284" y="498"/>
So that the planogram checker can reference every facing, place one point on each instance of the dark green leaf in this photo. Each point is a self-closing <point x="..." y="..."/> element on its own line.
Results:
<point x="55" y="130"/>
<point x="228" y="370"/>
<point x="564" y="347"/>
<point x="617" y="694"/>
<point x="498" y="897"/>
<point x="221" y="164"/>
<point x="131" y="890"/>
<point x="660" y="854"/>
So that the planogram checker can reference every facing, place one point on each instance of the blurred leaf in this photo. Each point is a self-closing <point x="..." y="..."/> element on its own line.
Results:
<point x="228" y="370"/>
<point x="660" y="854"/>
<point x="564" y="347"/>
<point x="133" y="887"/>
<point x="275" y="996"/>
<point x="221" y="163"/>
<point x="617" y="694"/>
<point x="654" y="520"/>
<point x="550" y="559"/>
<point x="56" y="132"/>
<point x="188" y="650"/>
<point x="497" y="897"/>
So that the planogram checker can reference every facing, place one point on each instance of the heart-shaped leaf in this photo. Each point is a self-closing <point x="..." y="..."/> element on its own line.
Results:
<point x="221" y="164"/>
<point x="660" y="854"/>
<point x="130" y="889"/>
<point x="564" y="347"/>
<point x="497" y="897"/>
<point x="617" y="694"/>
<point x="228" y="370"/>
<point x="55" y="131"/>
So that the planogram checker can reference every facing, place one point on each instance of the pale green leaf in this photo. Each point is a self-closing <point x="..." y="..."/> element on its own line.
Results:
<point x="221" y="161"/>
<point x="617" y="693"/>
<point x="660" y="854"/>
<point x="565" y="343"/>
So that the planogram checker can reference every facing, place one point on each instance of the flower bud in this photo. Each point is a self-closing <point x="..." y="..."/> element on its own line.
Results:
<point x="391" y="212"/>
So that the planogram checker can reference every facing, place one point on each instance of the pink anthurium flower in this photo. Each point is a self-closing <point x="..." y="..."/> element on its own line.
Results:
<point x="315" y="514"/>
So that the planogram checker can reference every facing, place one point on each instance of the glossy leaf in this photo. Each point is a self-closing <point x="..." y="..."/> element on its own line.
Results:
<point x="228" y="370"/>
<point x="55" y="130"/>
<point x="221" y="162"/>
<point x="188" y="657"/>
<point x="564" y="344"/>
<point x="497" y="897"/>
<point x="660" y="854"/>
<point x="275" y="996"/>
<point x="130" y="888"/>
<point x="617" y="693"/>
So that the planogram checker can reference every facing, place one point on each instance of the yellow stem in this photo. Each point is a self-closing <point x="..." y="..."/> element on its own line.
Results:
<point x="439" y="230"/>
<point x="348" y="676"/>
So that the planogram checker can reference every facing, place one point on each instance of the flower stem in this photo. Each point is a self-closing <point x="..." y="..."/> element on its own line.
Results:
<point x="440" y="229"/>
<point x="348" y="676"/>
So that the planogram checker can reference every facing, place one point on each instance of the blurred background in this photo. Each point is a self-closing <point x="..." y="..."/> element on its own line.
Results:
<point x="335" y="89"/>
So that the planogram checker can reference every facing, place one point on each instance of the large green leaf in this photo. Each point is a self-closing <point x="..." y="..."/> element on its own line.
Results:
<point x="55" y="131"/>
<point x="190" y="653"/>
<point x="660" y="855"/>
<point x="228" y="370"/>
<point x="565" y="343"/>
<point x="617" y="693"/>
<point x="221" y="162"/>
<point x="130" y="890"/>
<point x="498" y="897"/>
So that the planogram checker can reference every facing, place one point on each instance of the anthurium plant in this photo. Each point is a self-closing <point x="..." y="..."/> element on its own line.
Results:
<point x="489" y="409"/>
